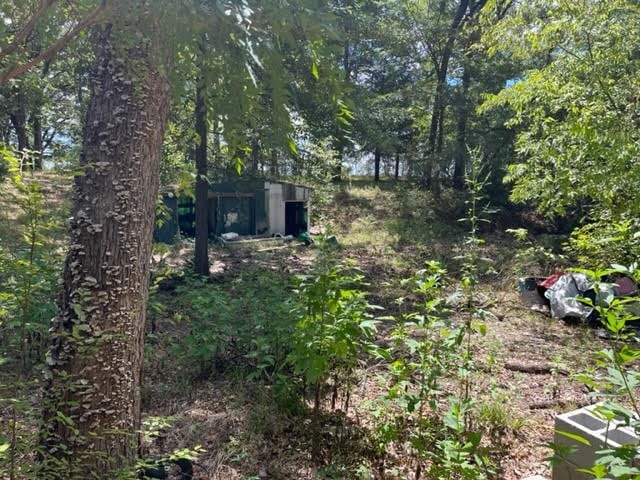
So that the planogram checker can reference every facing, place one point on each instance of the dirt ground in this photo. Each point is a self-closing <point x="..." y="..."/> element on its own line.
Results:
<point x="527" y="360"/>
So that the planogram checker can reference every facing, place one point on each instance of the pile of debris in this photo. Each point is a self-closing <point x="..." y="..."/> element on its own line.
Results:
<point x="574" y="295"/>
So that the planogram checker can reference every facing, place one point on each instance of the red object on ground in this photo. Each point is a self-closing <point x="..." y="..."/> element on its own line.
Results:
<point x="550" y="280"/>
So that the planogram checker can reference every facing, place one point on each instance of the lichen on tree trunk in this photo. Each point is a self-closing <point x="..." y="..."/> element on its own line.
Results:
<point x="91" y="416"/>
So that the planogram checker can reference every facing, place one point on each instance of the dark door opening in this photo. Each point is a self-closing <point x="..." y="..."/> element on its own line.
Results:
<point x="187" y="216"/>
<point x="295" y="218"/>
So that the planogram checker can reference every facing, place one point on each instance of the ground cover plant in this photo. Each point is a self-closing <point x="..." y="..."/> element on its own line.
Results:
<point x="356" y="360"/>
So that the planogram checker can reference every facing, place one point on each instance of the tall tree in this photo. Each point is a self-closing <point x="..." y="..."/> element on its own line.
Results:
<point x="441" y="49"/>
<point x="92" y="398"/>
<point x="576" y="108"/>
<point x="201" y="263"/>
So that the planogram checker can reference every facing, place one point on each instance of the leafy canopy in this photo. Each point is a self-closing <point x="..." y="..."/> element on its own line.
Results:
<point x="576" y="109"/>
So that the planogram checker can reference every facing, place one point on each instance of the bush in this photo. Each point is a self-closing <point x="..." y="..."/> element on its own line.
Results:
<point x="604" y="242"/>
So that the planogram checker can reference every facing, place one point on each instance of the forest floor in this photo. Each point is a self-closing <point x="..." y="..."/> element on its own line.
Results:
<point x="201" y="393"/>
<point x="246" y="436"/>
<point x="524" y="375"/>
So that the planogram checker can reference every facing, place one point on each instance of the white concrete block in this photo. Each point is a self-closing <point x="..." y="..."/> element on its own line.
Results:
<point x="590" y="426"/>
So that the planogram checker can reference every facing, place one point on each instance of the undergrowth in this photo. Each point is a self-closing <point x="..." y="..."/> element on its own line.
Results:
<point x="30" y="263"/>
<point x="305" y="363"/>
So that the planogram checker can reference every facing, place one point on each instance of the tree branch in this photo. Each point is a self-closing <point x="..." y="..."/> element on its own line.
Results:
<point x="23" y="34"/>
<point x="91" y="19"/>
<point x="502" y="8"/>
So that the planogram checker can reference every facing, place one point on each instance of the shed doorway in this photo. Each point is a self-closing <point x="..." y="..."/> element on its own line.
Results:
<point x="295" y="215"/>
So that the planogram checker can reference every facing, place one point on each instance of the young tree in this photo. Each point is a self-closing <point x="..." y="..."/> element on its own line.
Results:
<point x="201" y="263"/>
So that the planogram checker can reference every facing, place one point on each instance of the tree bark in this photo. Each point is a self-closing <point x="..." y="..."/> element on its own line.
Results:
<point x="201" y="263"/>
<point x="19" y="122"/>
<point x="461" y="132"/>
<point x="91" y="412"/>
<point x="36" y="125"/>
<point x="376" y="164"/>
<point x="274" y="171"/>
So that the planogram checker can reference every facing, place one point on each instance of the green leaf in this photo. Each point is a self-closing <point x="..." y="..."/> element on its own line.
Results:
<point x="628" y="354"/>
<point x="482" y="328"/>
<point x="574" y="436"/>
<point x="239" y="164"/>
<point x="314" y="71"/>
<point x="292" y="146"/>
<point x="598" y="471"/>
<point x="619" y="268"/>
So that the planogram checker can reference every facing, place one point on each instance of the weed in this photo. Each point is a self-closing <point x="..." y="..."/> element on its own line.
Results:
<point x="495" y="416"/>
<point x="533" y="258"/>
<point x="333" y="325"/>
<point x="431" y="350"/>
<point x="245" y="321"/>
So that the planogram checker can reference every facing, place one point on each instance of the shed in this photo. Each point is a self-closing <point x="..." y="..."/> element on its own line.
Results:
<point x="248" y="207"/>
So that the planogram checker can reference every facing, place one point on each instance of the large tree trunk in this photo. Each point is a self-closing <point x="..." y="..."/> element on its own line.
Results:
<point x="201" y="264"/>
<point x="91" y="411"/>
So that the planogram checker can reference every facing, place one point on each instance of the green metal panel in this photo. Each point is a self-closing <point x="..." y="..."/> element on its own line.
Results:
<point x="187" y="216"/>
<point x="260" y="213"/>
<point x="240" y="207"/>
<point x="236" y="214"/>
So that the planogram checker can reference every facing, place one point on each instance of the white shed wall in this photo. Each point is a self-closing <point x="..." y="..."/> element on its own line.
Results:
<point x="276" y="208"/>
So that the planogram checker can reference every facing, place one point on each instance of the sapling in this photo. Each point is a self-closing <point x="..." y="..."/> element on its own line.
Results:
<point x="431" y="350"/>
<point x="458" y="452"/>
<point x="334" y="325"/>
<point x="28" y="278"/>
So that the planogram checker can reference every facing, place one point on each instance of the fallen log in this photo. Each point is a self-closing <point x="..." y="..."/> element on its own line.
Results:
<point x="538" y="368"/>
